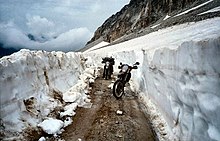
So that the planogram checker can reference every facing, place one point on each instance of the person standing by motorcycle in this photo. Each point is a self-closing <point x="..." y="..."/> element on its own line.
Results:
<point x="108" y="67"/>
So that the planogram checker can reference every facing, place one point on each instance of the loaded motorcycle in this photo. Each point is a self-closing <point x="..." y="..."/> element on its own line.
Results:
<point x="108" y="67"/>
<point x="123" y="77"/>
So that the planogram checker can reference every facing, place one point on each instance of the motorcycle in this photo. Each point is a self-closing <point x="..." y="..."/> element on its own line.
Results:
<point x="123" y="77"/>
<point x="108" y="67"/>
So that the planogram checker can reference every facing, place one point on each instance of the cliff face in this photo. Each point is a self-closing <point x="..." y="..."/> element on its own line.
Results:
<point x="137" y="15"/>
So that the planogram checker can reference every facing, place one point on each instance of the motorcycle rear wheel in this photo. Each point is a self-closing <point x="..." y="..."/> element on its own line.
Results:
<point x="118" y="89"/>
<point x="107" y="73"/>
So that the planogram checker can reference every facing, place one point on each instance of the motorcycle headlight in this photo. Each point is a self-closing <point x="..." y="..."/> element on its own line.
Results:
<point x="107" y="64"/>
<point x="124" y="68"/>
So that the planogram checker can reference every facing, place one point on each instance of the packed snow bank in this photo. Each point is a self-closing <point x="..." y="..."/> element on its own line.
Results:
<point x="34" y="83"/>
<point x="180" y="74"/>
<point x="185" y="86"/>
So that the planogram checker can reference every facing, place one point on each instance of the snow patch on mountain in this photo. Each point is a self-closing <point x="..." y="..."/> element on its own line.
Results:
<point x="101" y="44"/>
<point x="194" y="8"/>
<point x="216" y="9"/>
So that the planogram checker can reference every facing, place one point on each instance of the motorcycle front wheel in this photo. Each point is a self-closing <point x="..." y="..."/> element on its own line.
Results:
<point x="118" y="89"/>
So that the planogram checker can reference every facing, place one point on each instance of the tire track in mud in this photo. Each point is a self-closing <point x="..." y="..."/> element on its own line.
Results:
<point x="101" y="122"/>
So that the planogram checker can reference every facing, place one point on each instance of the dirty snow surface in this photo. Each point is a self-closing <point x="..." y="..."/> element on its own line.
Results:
<point x="178" y="81"/>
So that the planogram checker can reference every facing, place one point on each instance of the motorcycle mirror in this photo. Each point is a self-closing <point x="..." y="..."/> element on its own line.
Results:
<point x="120" y="63"/>
<point x="137" y="63"/>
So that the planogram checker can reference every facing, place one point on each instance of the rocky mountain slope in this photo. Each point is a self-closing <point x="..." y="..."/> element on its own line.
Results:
<point x="139" y="17"/>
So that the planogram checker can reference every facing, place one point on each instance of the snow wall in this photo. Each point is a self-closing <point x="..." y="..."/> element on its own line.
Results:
<point x="184" y="84"/>
<point x="32" y="84"/>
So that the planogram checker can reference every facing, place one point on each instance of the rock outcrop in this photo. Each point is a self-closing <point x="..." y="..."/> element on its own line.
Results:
<point x="140" y="14"/>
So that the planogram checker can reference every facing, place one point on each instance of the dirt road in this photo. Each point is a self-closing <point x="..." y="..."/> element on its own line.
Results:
<point x="102" y="123"/>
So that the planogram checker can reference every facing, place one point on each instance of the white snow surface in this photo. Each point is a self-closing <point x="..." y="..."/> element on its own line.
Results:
<point x="32" y="84"/>
<point x="178" y="80"/>
<point x="216" y="9"/>
<point x="51" y="126"/>
<point x="101" y="44"/>
<point x="42" y="139"/>
<point x="167" y="16"/>
<point x="154" y="26"/>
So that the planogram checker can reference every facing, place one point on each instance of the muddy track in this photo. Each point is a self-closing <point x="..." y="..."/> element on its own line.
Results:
<point x="102" y="123"/>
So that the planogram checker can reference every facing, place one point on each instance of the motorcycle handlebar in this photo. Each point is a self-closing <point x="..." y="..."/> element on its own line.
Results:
<point x="134" y="67"/>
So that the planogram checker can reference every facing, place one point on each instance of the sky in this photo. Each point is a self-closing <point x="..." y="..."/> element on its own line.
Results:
<point x="53" y="24"/>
